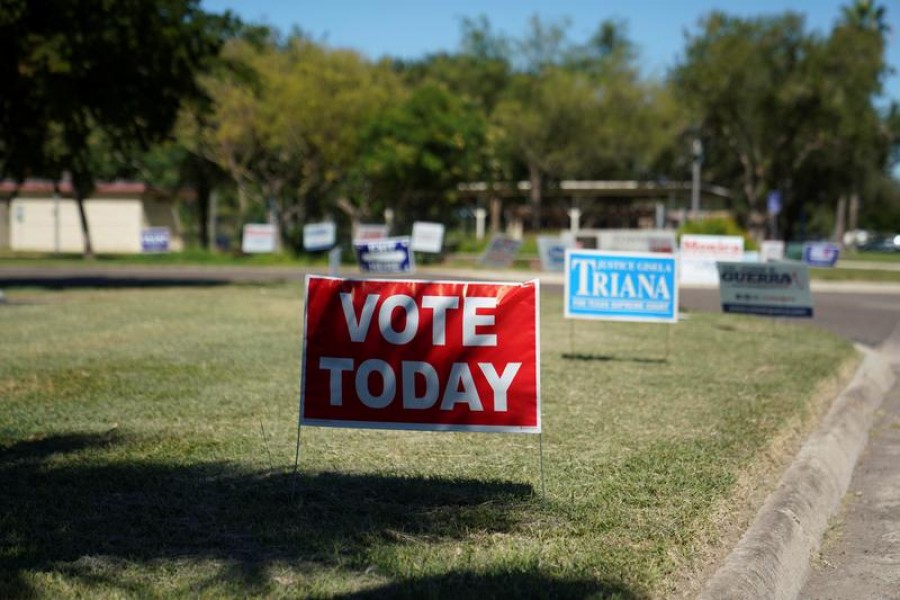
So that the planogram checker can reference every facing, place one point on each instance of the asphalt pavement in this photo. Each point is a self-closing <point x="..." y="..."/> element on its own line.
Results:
<point x="860" y="554"/>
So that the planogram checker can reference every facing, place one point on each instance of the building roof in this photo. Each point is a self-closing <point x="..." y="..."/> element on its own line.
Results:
<point x="617" y="189"/>
<point x="38" y="188"/>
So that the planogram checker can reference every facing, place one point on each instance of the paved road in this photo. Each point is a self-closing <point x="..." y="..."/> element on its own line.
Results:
<point x="866" y="316"/>
<point x="860" y="557"/>
<point x="863" y="313"/>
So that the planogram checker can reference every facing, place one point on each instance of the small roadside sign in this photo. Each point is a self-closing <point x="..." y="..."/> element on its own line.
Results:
<point x="427" y="237"/>
<point x="369" y="231"/>
<point x="821" y="254"/>
<point x="500" y="252"/>
<point x="771" y="250"/>
<point x="699" y="254"/>
<point x="258" y="238"/>
<point x="552" y="251"/>
<point x="155" y="239"/>
<point x="621" y="286"/>
<point x="637" y="240"/>
<point x="319" y="236"/>
<point x="388" y="255"/>
<point x="777" y="289"/>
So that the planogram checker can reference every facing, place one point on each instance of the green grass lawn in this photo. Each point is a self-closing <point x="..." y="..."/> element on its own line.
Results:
<point x="147" y="441"/>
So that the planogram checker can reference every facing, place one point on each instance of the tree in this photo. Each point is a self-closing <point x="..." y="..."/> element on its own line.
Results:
<point x="290" y="136"/>
<point x="423" y="148"/>
<point x="855" y="55"/>
<point x="547" y="122"/>
<point x="866" y="15"/>
<point x="573" y="109"/>
<point x="78" y="70"/>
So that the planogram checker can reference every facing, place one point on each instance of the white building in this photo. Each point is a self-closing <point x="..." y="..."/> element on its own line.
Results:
<point x="123" y="218"/>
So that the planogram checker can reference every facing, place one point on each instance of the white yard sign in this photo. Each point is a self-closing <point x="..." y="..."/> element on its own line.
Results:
<point x="258" y="238"/>
<point x="771" y="250"/>
<point x="319" y="236"/>
<point x="637" y="240"/>
<point x="427" y="237"/>
<point x="700" y="253"/>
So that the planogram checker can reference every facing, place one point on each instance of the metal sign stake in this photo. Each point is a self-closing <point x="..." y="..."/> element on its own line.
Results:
<point x="541" y="445"/>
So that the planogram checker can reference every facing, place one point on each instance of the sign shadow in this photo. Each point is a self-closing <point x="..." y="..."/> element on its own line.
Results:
<point x="78" y="505"/>
<point x="610" y="358"/>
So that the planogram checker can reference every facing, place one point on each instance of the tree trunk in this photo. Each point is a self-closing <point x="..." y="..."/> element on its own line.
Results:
<point x="212" y="217"/>
<point x="85" y="229"/>
<point x="791" y="210"/>
<point x="840" y="216"/>
<point x="534" y="195"/>
<point x="243" y="201"/>
<point x="853" y="220"/>
<point x="496" y="211"/>
<point x="203" y="202"/>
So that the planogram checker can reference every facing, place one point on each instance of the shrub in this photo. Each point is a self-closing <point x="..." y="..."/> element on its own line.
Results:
<point x="718" y="226"/>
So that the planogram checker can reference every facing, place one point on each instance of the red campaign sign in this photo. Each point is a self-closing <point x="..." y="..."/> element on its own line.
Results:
<point x="403" y="354"/>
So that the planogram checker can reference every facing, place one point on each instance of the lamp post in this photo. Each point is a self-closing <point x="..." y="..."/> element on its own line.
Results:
<point x="697" y="151"/>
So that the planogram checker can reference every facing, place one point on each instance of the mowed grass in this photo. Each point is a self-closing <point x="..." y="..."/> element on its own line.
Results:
<point x="147" y="445"/>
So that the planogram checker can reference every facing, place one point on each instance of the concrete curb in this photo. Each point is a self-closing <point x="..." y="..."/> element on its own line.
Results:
<point x="772" y="558"/>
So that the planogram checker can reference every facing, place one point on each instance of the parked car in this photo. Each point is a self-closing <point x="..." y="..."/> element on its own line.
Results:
<point x="882" y="243"/>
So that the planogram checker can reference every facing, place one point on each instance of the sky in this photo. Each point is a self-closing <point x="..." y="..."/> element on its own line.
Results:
<point x="413" y="29"/>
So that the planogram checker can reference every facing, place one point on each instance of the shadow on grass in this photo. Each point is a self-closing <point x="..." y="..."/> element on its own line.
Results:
<point x="110" y="281"/>
<point x="67" y="513"/>
<point x="466" y="584"/>
<point x="610" y="358"/>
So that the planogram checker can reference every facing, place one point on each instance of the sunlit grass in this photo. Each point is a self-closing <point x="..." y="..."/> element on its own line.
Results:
<point x="148" y="437"/>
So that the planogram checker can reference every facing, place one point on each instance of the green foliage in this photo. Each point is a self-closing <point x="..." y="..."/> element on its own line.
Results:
<point x="148" y="442"/>
<point x="781" y="108"/>
<point x="75" y="71"/>
<point x="718" y="226"/>
<point x="415" y="153"/>
<point x="289" y="137"/>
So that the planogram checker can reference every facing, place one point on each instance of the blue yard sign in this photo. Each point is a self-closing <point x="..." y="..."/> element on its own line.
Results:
<point x="821" y="254"/>
<point x="621" y="286"/>
<point x="155" y="239"/>
<point x="388" y="255"/>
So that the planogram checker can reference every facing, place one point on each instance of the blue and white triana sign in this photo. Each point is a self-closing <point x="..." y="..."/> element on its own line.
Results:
<point x="778" y="289"/>
<point x="388" y="255"/>
<point x="621" y="286"/>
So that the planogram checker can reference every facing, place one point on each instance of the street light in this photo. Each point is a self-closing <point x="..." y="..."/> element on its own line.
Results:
<point x="697" y="151"/>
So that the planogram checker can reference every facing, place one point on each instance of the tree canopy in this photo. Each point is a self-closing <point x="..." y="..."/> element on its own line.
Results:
<point x="295" y="130"/>
<point x="80" y="71"/>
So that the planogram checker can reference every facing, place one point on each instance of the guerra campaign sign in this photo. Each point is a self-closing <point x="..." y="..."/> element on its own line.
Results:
<point x="621" y="286"/>
<point x="405" y="354"/>
<point x="777" y="289"/>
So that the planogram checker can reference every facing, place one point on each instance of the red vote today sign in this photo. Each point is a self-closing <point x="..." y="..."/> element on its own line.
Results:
<point x="401" y="354"/>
